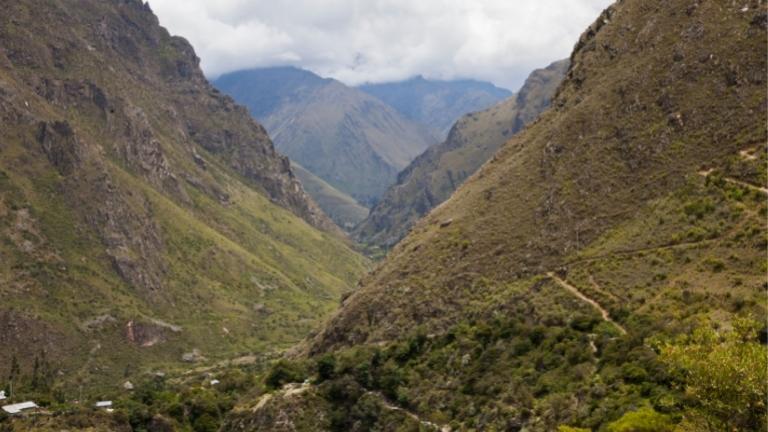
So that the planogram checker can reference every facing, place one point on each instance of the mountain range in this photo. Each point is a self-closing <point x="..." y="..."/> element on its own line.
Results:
<point x="433" y="176"/>
<point x="162" y="267"/>
<point x="435" y="103"/>
<point x="349" y="139"/>
<point x="557" y="288"/>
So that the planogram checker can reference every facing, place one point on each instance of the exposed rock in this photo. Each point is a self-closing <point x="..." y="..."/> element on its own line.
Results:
<point x="193" y="357"/>
<point x="60" y="145"/>
<point x="145" y="334"/>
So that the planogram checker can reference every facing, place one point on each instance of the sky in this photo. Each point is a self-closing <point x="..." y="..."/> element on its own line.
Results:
<point x="358" y="41"/>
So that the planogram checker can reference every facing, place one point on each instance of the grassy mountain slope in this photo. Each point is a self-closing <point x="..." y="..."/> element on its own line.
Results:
<point x="351" y="140"/>
<point x="432" y="177"/>
<point x="534" y="296"/>
<point x="143" y="214"/>
<point x="437" y="104"/>
<point x="340" y="207"/>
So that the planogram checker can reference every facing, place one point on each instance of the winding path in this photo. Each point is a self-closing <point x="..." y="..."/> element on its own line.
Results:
<point x="573" y="290"/>
<point x="428" y="424"/>
<point x="760" y="189"/>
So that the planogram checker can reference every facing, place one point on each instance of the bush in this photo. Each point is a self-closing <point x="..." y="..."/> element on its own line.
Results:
<point x="326" y="367"/>
<point x="724" y="376"/>
<point x="571" y="429"/>
<point x="584" y="323"/>
<point x="206" y="423"/>
<point x="643" y="420"/>
<point x="699" y="209"/>
<point x="284" y="372"/>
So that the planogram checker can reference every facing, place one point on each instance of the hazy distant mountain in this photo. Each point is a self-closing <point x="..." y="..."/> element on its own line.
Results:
<point x="437" y="104"/>
<point x="432" y="177"/>
<point x="342" y="208"/>
<point x="351" y="140"/>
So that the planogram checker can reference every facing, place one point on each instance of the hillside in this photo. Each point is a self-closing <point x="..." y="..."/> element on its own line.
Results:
<point x="437" y="104"/>
<point x="340" y="207"/>
<point x="559" y="285"/>
<point x="351" y="140"/>
<point x="144" y="215"/>
<point x="433" y="176"/>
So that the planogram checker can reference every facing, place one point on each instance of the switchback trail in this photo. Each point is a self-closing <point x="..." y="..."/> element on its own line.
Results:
<point x="579" y="294"/>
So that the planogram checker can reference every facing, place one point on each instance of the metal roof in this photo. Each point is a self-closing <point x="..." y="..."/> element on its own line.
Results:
<point x="19" y="407"/>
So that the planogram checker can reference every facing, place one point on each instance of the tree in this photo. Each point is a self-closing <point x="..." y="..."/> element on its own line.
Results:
<point x="724" y="376"/>
<point x="13" y="374"/>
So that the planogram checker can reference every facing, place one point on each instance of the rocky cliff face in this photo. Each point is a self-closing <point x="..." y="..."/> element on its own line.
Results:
<point x="432" y="177"/>
<point x="127" y="180"/>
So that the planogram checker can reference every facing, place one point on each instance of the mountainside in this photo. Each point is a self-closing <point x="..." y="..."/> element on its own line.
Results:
<point x="341" y="208"/>
<point x="557" y="289"/>
<point x="437" y="104"/>
<point x="143" y="214"/>
<point x="351" y="140"/>
<point x="433" y="176"/>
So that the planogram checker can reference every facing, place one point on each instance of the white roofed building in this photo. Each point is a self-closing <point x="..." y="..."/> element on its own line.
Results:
<point x="19" y="407"/>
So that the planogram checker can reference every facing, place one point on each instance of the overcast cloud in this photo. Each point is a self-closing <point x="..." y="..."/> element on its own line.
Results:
<point x="359" y="41"/>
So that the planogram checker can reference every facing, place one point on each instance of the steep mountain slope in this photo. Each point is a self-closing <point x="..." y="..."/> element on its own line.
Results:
<point x="143" y="214"/>
<point x="635" y="192"/>
<point x="341" y="208"/>
<point x="351" y="140"/>
<point x="437" y="104"/>
<point x="433" y="176"/>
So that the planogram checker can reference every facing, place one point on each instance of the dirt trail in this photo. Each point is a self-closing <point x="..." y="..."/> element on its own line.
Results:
<point x="760" y="189"/>
<point x="428" y="424"/>
<point x="748" y="154"/>
<point x="579" y="294"/>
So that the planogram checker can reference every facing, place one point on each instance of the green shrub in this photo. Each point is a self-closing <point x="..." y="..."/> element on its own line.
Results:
<point x="206" y="423"/>
<point x="643" y="420"/>
<point x="723" y="375"/>
<point x="284" y="372"/>
<point x="564" y="428"/>
<point x="699" y="208"/>
<point x="326" y="367"/>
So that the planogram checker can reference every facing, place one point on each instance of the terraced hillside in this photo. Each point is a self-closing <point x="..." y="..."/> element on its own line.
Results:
<point x="635" y="204"/>
<point x="144" y="215"/>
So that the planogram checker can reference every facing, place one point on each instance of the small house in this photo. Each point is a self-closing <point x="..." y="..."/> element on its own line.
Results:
<point x="104" y="404"/>
<point x="19" y="407"/>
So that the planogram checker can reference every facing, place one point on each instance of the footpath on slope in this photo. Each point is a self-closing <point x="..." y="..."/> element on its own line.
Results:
<point x="760" y="189"/>
<point x="573" y="290"/>
<point x="388" y="405"/>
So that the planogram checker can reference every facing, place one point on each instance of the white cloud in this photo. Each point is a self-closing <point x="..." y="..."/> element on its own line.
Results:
<point x="382" y="40"/>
